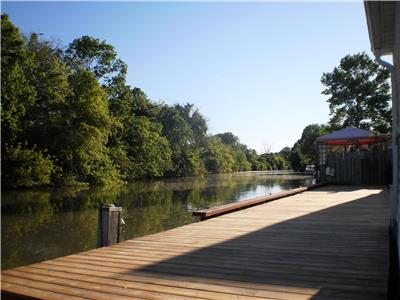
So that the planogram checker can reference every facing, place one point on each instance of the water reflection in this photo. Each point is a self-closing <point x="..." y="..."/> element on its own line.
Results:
<point x="42" y="224"/>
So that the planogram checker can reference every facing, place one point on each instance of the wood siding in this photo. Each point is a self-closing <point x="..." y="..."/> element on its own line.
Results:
<point x="357" y="168"/>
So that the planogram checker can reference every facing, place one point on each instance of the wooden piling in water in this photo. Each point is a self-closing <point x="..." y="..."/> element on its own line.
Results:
<point x="109" y="226"/>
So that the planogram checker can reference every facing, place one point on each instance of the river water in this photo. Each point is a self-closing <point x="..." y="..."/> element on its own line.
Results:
<point x="42" y="224"/>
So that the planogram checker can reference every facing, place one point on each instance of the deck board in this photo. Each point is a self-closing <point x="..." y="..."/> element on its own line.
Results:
<point x="329" y="243"/>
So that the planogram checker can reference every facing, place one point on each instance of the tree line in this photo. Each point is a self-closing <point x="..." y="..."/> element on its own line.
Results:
<point x="69" y="117"/>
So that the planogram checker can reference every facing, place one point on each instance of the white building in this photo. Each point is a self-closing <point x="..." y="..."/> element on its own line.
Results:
<point x="383" y="20"/>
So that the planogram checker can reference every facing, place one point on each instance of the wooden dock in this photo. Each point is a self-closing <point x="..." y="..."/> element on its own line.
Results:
<point x="219" y="210"/>
<point x="329" y="243"/>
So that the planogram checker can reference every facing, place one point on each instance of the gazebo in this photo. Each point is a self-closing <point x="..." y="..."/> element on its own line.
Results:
<point x="349" y="139"/>
<point x="352" y="156"/>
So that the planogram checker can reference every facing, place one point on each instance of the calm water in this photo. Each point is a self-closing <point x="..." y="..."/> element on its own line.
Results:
<point x="43" y="224"/>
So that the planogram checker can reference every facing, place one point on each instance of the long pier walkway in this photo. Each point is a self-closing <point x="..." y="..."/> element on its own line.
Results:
<point x="329" y="243"/>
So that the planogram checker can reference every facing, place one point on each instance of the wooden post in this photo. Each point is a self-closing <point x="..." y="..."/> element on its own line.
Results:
<point x="109" y="226"/>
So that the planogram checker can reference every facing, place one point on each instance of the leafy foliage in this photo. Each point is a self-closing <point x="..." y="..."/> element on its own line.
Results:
<point x="86" y="130"/>
<point x="359" y="94"/>
<point x="49" y="78"/>
<point x="304" y="151"/>
<point x="218" y="157"/>
<point x="76" y="106"/>
<point x="24" y="167"/>
<point x="97" y="56"/>
<point x="148" y="151"/>
<point x="17" y="91"/>
<point x="69" y="117"/>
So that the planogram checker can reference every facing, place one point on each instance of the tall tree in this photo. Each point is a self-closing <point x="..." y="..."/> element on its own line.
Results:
<point x="229" y="138"/>
<point x="296" y="157"/>
<point x="23" y="165"/>
<point x="359" y="94"/>
<point x="218" y="157"/>
<point x="285" y="152"/>
<point x="177" y="129"/>
<point x="308" y="138"/>
<point x="96" y="56"/>
<point x="87" y="125"/>
<point x="138" y="147"/>
<point x="198" y="124"/>
<point x="148" y="151"/>
<point x="256" y="162"/>
<point x="304" y="151"/>
<point x="17" y="91"/>
<point x="44" y="120"/>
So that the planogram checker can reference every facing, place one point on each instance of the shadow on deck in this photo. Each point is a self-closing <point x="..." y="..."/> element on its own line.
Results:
<point x="340" y="252"/>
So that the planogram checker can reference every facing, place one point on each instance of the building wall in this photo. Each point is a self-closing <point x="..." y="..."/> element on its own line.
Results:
<point x="395" y="195"/>
<point x="396" y="103"/>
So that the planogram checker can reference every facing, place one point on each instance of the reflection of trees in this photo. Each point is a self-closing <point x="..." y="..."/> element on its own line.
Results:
<point x="33" y="209"/>
<point x="151" y="219"/>
<point x="62" y="234"/>
<point x="46" y="223"/>
<point x="88" y="198"/>
<point x="18" y="231"/>
<point x="43" y="224"/>
<point x="23" y="202"/>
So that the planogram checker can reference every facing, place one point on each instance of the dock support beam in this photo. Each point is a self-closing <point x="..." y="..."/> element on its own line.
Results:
<point x="109" y="226"/>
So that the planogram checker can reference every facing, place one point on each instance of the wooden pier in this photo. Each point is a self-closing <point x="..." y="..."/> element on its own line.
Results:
<point x="329" y="243"/>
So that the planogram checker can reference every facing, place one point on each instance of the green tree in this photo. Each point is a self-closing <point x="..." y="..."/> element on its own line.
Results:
<point x="218" y="157"/>
<point x="69" y="117"/>
<point x="97" y="56"/>
<point x="132" y="111"/>
<point x="17" y="92"/>
<point x="256" y="162"/>
<point x="100" y="58"/>
<point x="141" y="105"/>
<point x="199" y="125"/>
<point x="86" y="130"/>
<point x="285" y="153"/>
<point x="23" y="164"/>
<point x="359" y="94"/>
<point x="186" y="160"/>
<point x="245" y="159"/>
<point x="280" y="162"/>
<point x="44" y="119"/>
<point x="241" y="161"/>
<point x="229" y="138"/>
<point x="149" y="152"/>
<point x="24" y="167"/>
<point x="304" y="151"/>
<point x="275" y="161"/>
<point x="296" y="158"/>
<point x="190" y="162"/>
<point x="308" y="138"/>
<point x="175" y="127"/>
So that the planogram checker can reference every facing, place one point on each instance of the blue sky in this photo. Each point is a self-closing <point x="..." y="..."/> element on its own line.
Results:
<point x="251" y="68"/>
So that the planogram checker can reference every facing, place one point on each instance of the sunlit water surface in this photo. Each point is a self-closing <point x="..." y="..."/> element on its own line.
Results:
<point x="47" y="223"/>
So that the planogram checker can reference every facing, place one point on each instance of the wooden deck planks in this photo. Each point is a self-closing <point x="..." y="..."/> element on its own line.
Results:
<point x="330" y="243"/>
